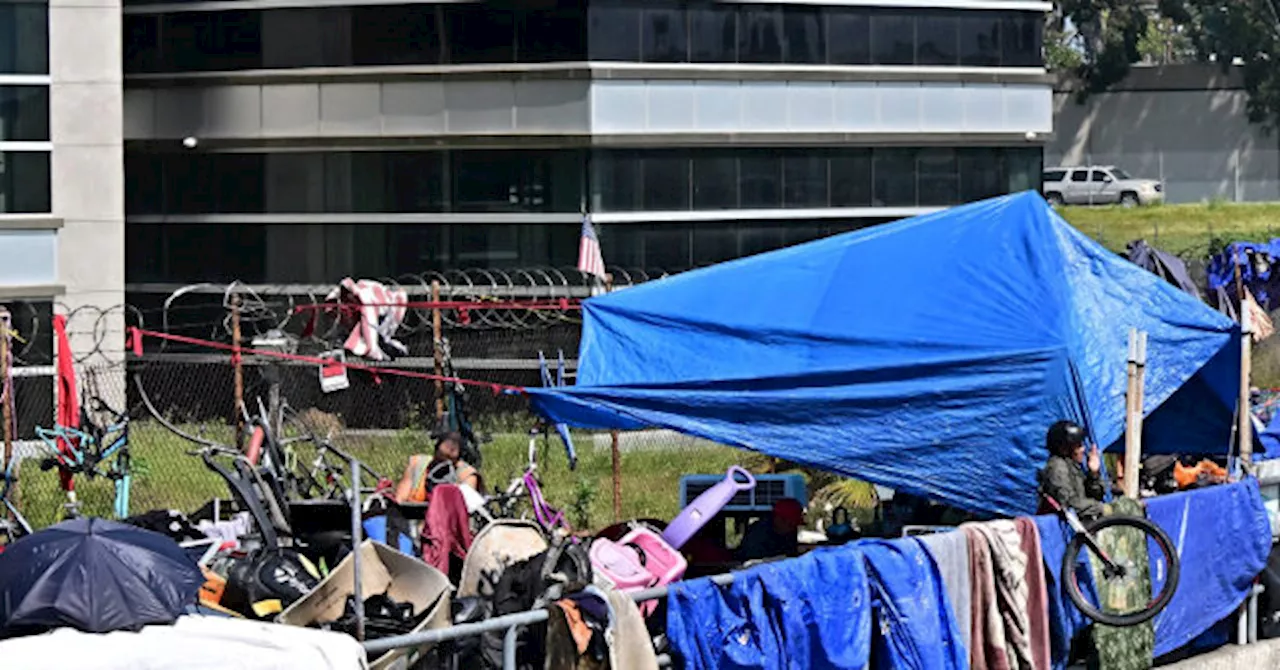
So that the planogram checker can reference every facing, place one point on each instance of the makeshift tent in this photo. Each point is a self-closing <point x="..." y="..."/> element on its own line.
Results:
<point x="928" y="355"/>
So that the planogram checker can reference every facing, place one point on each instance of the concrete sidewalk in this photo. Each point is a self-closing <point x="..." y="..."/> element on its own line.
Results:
<point x="1261" y="654"/>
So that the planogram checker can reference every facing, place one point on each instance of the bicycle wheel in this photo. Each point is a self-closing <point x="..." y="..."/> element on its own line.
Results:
<point x="1153" y="535"/>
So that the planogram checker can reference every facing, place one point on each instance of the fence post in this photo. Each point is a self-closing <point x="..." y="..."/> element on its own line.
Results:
<point x="356" y="534"/>
<point x="237" y="412"/>
<point x="437" y="333"/>
<point x="1133" y="405"/>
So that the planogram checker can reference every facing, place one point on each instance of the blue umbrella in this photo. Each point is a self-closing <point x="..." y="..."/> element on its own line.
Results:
<point x="96" y="576"/>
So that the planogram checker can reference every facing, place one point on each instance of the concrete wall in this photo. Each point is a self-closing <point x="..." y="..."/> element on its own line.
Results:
<point x="86" y="102"/>
<point x="1185" y="125"/>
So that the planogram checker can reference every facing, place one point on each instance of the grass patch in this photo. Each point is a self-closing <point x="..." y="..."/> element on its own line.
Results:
<point x="1198" y="230"/>
<point x="167" y="476"/>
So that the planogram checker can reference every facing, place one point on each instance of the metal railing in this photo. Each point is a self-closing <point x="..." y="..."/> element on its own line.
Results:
<point x="510" y="624"/>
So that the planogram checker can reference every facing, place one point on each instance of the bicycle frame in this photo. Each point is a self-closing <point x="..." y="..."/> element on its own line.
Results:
<point x="79" y="451"/>
<point x="1073" y="522"/>
<point x="548" y="517"/>
<point x="23" y="528"/>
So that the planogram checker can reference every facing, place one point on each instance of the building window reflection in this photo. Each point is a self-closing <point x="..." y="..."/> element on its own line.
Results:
<point x="459" y="33"/>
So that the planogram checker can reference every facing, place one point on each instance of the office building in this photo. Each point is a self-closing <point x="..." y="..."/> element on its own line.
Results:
<point x="279" y="141"/>
<point x="61" y="166"/>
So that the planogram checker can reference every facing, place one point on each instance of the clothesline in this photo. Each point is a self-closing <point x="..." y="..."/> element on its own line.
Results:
<point x="563" y="304"/>
<point x="136" y="336"/>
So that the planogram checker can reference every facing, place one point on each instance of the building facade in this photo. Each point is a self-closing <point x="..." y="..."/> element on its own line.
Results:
<point x="61" y="158"/>
<point x="284" y="141"/>
<point x="1186" y="125"/>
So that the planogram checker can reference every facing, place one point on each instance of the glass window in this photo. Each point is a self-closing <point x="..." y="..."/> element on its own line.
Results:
<point x="24" y="38"/>
<point x="24" y="113"/>
<point x="665" y="35"/>
<point x="759" y="179"/>
<point x="615" y="181"/>
<point x="666" y="181"/>
<point x="614" y="32"/>
<point x="759" y="34"/>
<point x="715" y="180"/>
<point x="202" y="41"/>
<point x="714" y="243"/>
<point x="1080" y="175"/>
<point x="713" y="36"/>
<point x="895" y="178"/>
<point x="1020" y="40"/>
<point x="24" y="182"/>
<point x="1098" y="176"/>
<point x="980" y="39"/>
<point x="143" y="183"/>
<point x="395" y="35"/>
<point x="414" y="181"/>
<point x="1023" y="168"/>
<point x="848" y="36"/>
<point x="141" y="43"/>
<point x="937" y="178"/>
<point x="667" y="247"/>
<point x="549" y="35"/>
<point x="804" y="180"/>
<point x="851" y="178"/>
<point x="214" y="183"/>
<point x="893" y="39"/>
<point x="805" y="39"/>
<point x="499" y="181"/>
<point x="480" y="34"/>
<point x="1119" y="174"/>
<point x="757" y="239"/>
<point x="937" y="39"/>
<point x="982" y="174"/>
<point x="1055" y="175"/>
<point x="295" y="182"/>
<point x="417" y="248"/>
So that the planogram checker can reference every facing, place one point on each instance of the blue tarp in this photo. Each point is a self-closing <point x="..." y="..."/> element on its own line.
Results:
<point x="928" y="355"/>
<point x="811" y="612"/>
<point x="870" y="604"/>
<point x="1222" y="536"/>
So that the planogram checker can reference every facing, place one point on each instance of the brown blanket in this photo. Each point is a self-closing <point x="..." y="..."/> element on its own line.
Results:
<point x="1010" y="627"/>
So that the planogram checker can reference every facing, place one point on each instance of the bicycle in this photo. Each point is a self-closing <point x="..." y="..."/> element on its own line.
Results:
<point x="1085" y="536"/>
<point x="84" y="451"/>
<point x="503" y="504"/>
<point x="15" y="526"/>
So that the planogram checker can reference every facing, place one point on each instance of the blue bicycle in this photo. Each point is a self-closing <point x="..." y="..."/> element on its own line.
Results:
<point x="12" y="525"/>
<point x="94" y="451"/>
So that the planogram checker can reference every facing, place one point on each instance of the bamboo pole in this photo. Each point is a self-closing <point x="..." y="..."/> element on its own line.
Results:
<point x="1133" y="414"/>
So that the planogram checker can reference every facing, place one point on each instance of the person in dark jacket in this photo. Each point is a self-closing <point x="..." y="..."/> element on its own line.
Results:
<point x="1062" y="477"/>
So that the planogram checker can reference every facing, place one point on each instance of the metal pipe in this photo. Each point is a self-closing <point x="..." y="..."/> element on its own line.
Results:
<point x="355" y="547"/>
<point x="509" y="648"/>
<point x="437" y="635"/>
<point x="1253" y="613"/>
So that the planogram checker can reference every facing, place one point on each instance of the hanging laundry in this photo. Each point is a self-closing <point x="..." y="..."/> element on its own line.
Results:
<point x="68" y="414"/>
<point x="914" y="619"/>
<point x="1126" y="647"/>
<point x="447" y="531"/>
<point x="1011" y="613"/>
<point x="1260" y="323"/>
<point x="951" y="552"/>
<point x="379" y="311"/>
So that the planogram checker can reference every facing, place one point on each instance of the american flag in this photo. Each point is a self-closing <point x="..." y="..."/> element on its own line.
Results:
<point x="589" y="259"/>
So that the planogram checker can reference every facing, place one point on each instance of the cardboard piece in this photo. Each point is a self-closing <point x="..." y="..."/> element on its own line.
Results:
<point x="384" y="570"/>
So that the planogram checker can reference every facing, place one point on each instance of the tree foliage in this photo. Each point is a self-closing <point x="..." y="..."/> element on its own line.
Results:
<point x="1243" y="31"/>
<point x="1106" y="37"/>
